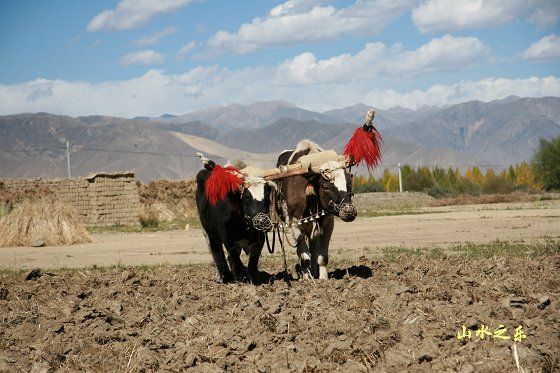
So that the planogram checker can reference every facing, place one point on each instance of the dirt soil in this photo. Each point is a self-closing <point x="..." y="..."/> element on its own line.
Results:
<point x="373" y="314"/>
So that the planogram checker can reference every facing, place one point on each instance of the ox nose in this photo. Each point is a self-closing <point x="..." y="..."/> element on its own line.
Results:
<point x="262" y="222"/>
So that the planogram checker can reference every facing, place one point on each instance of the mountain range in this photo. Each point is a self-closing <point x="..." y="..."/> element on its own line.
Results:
<point x="493" y="134"/>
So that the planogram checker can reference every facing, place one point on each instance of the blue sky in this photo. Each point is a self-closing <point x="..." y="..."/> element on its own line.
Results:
<point x="149" y="57"/>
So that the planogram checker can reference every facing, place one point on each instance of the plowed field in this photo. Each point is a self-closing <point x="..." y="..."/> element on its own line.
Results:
<point x="407" y="293"/>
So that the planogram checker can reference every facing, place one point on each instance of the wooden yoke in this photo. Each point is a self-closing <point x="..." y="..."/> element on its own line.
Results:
<point x="306" y="164"/>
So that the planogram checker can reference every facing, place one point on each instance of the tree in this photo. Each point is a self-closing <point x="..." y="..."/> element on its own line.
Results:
<point x="497" y="183"/>
<point x="524" y="177"/>
<point x="546" y="163"/>
<point x="363" y="185"/>
<point x="358" y="183"/>
<point x="420" y="180"/>
<point x="390" y="181"/>
<point x="439" y="175"/>
<point x="475" y="176"/>
<point x="405" y="171"/>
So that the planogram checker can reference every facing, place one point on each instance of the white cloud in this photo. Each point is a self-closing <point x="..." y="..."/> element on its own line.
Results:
<point x="305" y="69"/>
<point x="446" y="53"/>
<point x="130" y="14"/>
<point x="548" y="48"/>
<point x="306" y="81"/>
<point x="156" y="92"/>
<point x="152" y="93"/>
<point x="39" y="93"/>
<point x="144" y="57"/>
<point x="293" y="7"/>
<point x="375" y="60"/>
<point x="308" y="21"/>
<point x="187" y="48"/>
<point x="482" y="90"/>
<point x="546" y="14"/>
<point x="448" y="16"/>
<point x="155" y="38"/>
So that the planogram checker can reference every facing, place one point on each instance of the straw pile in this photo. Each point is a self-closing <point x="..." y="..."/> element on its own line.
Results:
<point x="45" y="219"/>
<point x="167" y="200"/>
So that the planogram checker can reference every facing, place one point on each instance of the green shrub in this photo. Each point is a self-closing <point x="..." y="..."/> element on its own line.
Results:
<point x="546" y="163"/>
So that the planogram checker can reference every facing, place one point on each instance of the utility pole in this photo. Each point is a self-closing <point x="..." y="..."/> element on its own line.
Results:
<point x="68" y="158"/>
<point x="400" y="177"/>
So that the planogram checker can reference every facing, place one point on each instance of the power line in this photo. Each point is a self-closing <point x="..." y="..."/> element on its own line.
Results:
<point x="29" y="150"/>
<point x="446" y="165"/>
<point x="75" y="149"/>
<point x="138" y="152"/>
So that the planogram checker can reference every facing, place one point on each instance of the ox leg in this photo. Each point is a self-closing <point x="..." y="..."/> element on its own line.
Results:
<point x="237" y="266"/>
<point x="314" y="249"/>
<point x="323" y="246"/>
<point x="253" y="264"/>
<point x="223" y="274"/>
<point x="302" y="251"/>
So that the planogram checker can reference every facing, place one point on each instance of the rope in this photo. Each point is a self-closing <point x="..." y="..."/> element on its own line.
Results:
<point x="279" y="236"/>
<point x="288" y="240"/>
<point x="271" y="250"/>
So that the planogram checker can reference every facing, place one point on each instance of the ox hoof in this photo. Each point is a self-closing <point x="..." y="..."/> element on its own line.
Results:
<point x="225" y="278"/>
<point x="305" y="261"/>
<point x="299" y="271"/>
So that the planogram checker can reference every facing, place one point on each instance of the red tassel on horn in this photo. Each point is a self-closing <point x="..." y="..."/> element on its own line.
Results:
<point x="221" y="181"/>
<point x="364" y="146"/>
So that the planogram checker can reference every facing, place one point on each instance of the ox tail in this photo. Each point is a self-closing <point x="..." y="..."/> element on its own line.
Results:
<point x="221" y="181"/>
<point x="365" y="144"/>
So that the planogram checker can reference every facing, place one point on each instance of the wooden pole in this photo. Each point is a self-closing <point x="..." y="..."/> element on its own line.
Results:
<point x="282" y="175"/>
<point x="293" y="170"/>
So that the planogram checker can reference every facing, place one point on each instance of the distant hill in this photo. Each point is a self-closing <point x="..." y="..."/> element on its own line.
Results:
<point x="285" y="134"/>
<point x="503" y="132"/>
<point x="384" y="118"/>
<point x="496" y="133"/>
<point x="257" y="115"/>
<point x="34" y="145"/>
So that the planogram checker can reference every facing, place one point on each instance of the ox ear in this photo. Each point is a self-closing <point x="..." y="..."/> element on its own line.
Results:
<point x="221" y="181"/>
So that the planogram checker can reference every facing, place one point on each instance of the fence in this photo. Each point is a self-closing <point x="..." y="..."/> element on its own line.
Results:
<point x="100" y="199"/>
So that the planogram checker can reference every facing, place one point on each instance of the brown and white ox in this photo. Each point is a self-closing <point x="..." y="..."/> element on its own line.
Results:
<point x="311" y="202"/>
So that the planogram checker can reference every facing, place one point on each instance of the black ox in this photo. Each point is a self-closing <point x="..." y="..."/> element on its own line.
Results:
<point x="310" y="203"/>
<point x="238" y="221"/>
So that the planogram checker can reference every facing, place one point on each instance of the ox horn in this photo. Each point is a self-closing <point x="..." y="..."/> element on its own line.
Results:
<point x="202" y="157"/>
<point x="208" y="164"/>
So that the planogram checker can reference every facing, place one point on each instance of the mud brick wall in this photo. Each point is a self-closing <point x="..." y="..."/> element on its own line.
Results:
<point x="100" y="199"/>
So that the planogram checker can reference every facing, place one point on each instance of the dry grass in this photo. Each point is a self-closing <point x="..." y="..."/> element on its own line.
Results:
<point x="148" y="217"/>
<point x="168" y="200"/>
<point x="45" y="219"/>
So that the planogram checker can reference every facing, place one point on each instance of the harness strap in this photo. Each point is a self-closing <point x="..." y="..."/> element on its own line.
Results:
<point x="270" y="249"/>
<point x="295" y="245"/>
<point x="287" y="275"/>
